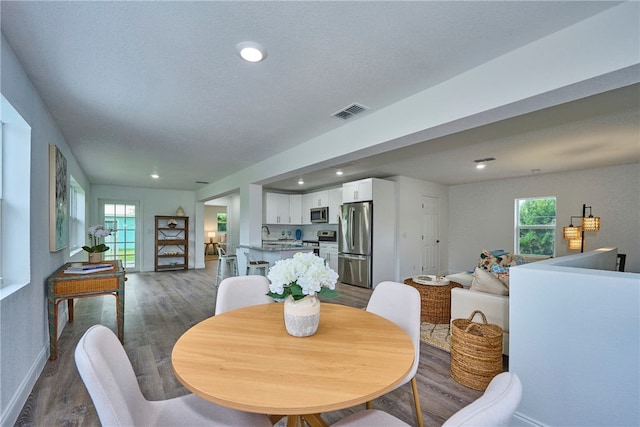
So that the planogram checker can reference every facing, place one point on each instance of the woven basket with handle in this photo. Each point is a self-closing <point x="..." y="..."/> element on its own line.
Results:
<point x="476" y="351"/>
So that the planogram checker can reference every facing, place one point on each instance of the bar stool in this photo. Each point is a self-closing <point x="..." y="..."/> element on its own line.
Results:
<point x="227" y="265"/>
<point x="255" y="266"/>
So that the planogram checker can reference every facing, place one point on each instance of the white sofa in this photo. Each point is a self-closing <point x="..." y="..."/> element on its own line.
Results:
<point x="494" y="307"/>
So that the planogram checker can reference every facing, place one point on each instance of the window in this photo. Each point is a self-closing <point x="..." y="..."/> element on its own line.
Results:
<point x="76" y="217"/>
<point x="535" y="226"/>
<point x="15" y="213"/>
<point x="222" y="222"/>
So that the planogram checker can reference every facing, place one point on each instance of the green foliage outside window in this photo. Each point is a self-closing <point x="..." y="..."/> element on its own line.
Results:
<point x="536" y="227"/>
<point x="222" y="221"/>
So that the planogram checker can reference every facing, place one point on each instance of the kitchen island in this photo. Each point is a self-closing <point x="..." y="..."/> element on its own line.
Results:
<point x="270" y="252"/>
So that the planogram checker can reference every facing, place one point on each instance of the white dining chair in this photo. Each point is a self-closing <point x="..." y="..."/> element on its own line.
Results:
<point x="242" y="291"/>
<point x="494" y="408"/>
<point x="109" y="377"/>
<point x="400" y="304"/>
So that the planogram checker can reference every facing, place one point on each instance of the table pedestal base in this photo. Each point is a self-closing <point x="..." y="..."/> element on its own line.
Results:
<point x="312" y="420"/>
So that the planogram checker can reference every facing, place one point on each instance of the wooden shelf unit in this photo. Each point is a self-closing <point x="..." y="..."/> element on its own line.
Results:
<point x="172" y="243"/>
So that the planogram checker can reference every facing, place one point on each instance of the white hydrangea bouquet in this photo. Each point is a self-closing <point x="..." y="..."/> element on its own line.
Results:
<point x="303" y="274"/>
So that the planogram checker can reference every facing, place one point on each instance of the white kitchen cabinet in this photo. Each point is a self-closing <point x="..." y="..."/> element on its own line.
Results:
<point x="335" y="200"/>
<point x="320" y="199"/>
<point x="329" y="251"/>
<point x="316" y="199"/>
<point x="277" y="208"/>
<point x="295" y="209"/>
<point x="307" y="204"/>
<point x="357" y="191"/>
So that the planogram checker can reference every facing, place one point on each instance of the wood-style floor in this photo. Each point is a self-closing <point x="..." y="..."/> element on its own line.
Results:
<point x="159" y="307"/>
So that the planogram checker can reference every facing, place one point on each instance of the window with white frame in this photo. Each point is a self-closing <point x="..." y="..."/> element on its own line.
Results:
<point x="15" y="214"/>
<point x="535" y="220"/>
<point x="76" y="216"/>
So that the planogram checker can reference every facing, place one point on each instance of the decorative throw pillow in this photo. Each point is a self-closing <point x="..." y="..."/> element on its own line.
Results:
<point x="488" y="260"/>
<point x="484" y="281"/>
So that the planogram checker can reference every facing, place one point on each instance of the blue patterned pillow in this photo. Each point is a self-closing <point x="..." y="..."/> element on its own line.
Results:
<point x="497" y="269"/>
<point x="488" y="260"/>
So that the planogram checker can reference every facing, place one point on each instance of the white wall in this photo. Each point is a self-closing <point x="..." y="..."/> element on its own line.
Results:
<point x="154" y="202"/>
<point x="482" y="214"/>
<point x="24" y="338"/>
<point x="409" y="193"/>
<point x="575" y="342"/>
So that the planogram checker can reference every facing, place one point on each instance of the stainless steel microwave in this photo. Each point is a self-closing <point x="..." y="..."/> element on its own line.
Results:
<point x="320" y="214"/>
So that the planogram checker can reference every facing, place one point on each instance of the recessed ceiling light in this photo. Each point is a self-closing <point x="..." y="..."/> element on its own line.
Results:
<point x="301" y="181"/>
<point x="339" y="172"/>
<point x="251" y="51"/>
<point x="482" y="163"/>
<point x="155" y="176"/>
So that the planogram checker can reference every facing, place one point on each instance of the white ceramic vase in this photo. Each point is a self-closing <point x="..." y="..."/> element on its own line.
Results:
<point x="301" y="318"/>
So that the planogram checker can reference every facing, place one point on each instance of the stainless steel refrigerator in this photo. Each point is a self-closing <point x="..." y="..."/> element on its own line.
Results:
<point x="355" y="244"/>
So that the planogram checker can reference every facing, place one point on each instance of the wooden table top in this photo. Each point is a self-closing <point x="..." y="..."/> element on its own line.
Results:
<point x="244" y="359"/>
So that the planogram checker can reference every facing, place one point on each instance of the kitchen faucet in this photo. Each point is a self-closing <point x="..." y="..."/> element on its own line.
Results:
<point x="264" y="227"/>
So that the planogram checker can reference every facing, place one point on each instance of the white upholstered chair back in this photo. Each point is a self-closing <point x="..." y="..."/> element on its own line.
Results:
<point x="401" y="304"/>
<point x="494" y="408"/>
<point x="242" y="291"/>
<point x="109" y="377"/>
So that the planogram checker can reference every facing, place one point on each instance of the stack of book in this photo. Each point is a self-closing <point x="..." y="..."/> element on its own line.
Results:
<point x="87" y="268"/>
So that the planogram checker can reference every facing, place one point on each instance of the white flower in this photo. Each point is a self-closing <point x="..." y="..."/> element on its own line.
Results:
<point x="96" y="232"/>
<point x="306" y="270"/>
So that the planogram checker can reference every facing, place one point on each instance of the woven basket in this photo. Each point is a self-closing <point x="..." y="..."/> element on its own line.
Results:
<point x="435" y="301"/>
<point x="476" y="351"/>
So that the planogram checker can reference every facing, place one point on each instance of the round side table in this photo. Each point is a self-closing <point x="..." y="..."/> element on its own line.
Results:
<point x="435" y="301"/>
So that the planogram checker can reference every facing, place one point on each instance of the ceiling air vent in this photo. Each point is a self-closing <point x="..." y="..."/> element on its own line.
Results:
<point x="350" y="111"/>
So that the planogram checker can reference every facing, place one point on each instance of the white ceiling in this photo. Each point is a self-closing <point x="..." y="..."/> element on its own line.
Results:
<point x="158" y="87"/>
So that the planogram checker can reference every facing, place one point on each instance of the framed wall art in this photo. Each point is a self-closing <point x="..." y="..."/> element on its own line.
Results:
<point x="58" y="200"/>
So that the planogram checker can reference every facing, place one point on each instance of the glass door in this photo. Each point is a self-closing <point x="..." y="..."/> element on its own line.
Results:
<point x="121" y="218"/>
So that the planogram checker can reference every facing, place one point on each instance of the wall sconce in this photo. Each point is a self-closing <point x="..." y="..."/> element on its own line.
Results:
<point x="212" y="236"/>
<point x="575" y="234"/>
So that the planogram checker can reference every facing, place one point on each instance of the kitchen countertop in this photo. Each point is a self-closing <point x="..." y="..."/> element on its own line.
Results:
<point x="277" y="246"/>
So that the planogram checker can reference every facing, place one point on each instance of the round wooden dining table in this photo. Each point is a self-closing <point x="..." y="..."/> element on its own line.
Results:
<point x="244" y="359"/>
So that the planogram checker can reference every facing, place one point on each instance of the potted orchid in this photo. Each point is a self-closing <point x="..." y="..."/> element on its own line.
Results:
<point x="298" y="281"/>
<point x="97" y="232"/>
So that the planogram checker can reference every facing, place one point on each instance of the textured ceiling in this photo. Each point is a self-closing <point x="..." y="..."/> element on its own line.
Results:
<point x="158" y="87"/>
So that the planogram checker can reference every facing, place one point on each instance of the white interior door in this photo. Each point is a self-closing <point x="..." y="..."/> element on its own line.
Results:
<point x="430" y="247"/>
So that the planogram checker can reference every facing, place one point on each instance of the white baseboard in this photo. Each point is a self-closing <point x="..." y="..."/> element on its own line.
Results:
<point x="12" y="411"/>
<point x="521" y="420"/>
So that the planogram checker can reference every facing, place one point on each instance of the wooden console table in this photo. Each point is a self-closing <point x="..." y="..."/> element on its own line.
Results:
<point x="62" y="286"/>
